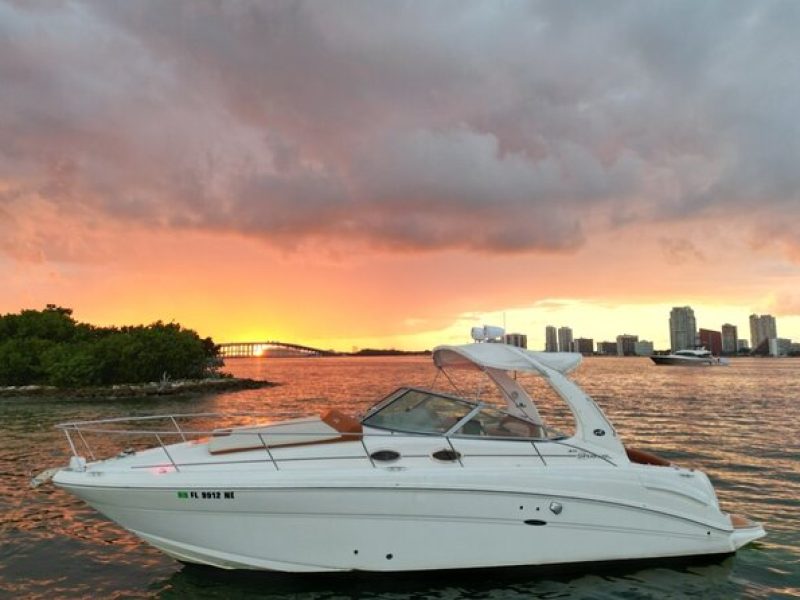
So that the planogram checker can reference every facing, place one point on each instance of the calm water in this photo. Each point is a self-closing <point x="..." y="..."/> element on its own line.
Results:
<point x="739" y="424"/>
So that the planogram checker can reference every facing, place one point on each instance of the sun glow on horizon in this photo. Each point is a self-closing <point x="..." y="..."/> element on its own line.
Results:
<point x="353" y="206"/>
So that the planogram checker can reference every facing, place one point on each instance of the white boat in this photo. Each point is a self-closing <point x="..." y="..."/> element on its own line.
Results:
<point x="424" y="480"/>
<point x="697" y="357"/>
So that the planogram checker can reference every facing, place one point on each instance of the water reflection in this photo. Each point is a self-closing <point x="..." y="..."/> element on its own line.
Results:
<point x="704" y="579"/>
<point x="737" y="423"/>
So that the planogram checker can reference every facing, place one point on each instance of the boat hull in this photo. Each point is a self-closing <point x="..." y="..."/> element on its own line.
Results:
<point x="683" y="361"/>
<point x="399" y="527"/>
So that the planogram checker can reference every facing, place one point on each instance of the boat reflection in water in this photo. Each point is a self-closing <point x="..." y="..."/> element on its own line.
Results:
<point x="425" y="480"/>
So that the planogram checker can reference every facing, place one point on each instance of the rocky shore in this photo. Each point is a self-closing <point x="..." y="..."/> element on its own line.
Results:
<point x="160" y="388"/>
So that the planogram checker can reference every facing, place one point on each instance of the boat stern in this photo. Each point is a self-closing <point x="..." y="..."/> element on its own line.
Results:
<point x="745" y="531"/>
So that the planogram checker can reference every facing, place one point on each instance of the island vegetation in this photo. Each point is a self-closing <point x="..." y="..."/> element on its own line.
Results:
<point x="49" y="348"/>
<point x="388" y="352"/>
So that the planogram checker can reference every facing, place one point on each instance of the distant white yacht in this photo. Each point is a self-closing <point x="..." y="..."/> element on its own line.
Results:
<point x="698" y="357"/>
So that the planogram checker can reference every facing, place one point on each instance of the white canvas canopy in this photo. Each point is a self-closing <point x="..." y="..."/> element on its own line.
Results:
<point x="504" y="357"/>
<point x="497" y="360"/>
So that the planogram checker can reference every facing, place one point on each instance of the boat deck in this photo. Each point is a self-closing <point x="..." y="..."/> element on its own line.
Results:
<point x="307" y="444"/>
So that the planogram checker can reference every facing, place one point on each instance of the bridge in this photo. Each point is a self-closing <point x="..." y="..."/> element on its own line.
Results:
<point x="268" y="349"/>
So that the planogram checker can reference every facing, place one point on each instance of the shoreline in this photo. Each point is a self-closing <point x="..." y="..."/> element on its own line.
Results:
<point x="137" y="390"/>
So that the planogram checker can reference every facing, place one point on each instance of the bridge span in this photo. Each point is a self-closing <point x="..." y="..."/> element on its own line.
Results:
<point x="269" y="349"/>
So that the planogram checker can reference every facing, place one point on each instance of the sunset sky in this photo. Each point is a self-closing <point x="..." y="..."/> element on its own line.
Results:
<point x="352" y="174"/>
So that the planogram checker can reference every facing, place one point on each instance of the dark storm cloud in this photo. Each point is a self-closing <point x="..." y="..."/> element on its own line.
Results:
<point x="500" y="127"/>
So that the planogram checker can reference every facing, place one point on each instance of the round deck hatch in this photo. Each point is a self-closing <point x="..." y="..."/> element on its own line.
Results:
<point x="446" y="455"/>
<point x="385" y="455"/>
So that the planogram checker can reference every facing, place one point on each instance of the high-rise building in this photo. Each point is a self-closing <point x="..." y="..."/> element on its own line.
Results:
<point x="583" y="345"/>
<point x="729" y="337"/>
<point x="643" y="348"/>
<point x="550" y="339"/>
<point x="626" y="344"/>
<point x="682" y="328"/>
<point x="711" y="340"/>
<point x="762" y="328"/>
<point x="607" y="348"/>
<point x="565" y="339"/>
<point x="520" y="340"/>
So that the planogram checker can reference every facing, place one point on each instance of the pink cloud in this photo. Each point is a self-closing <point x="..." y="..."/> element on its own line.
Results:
<point x="417" y="161"/>
<point x="431" y="128"/>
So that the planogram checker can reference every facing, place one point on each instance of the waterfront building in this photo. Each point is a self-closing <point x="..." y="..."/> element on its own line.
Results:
<point x="762" y="328"/>
<point x="762" y="349"/>
<point x="626" y="344"/>
<point x="729" y="336"/>
<point x="565" y="339"/>
<point x="643" y="348"/>
<point x="520" y="340"/>
<point x="779" y="346"/>
<point x="711" y="340"/>
<point x="607" y="348"/>
<point x="550" y="339"/>
<point x="682" y="328"/>
<point x="742" y="346"/>
<point x="583" y="345"/>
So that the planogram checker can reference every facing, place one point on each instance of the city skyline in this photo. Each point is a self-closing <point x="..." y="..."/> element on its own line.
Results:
<point x="391" y="175"/>
<point x="686" y="332"/>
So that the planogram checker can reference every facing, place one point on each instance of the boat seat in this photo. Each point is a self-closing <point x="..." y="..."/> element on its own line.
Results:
<point x="342" y="422"/>
<point x="641" y="457"/>
<point x="742" y="522"/>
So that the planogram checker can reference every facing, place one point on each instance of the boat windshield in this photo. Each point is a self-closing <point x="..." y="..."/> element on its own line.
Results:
<point x="491" y="422"/>
<point x="423" y="411"/>
<point x="693" y="353"/>
<point x="418" y="411"/>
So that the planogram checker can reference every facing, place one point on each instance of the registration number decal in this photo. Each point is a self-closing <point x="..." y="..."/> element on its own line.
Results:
<point x="206" y="495"/>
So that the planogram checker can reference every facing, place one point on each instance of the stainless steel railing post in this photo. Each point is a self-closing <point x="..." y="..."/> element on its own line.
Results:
<point x="164" y="448"/>
<point x="85" y="443"/>
<point x="456" y="453"/>
<point x="366" y="451"/>
<point x="269" y="453"/>
<point x="539" y="454"/>
<point x="174" y="422"/>
<point x="71" y="444"/>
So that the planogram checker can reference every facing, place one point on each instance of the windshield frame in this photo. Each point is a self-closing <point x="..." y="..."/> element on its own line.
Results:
<point x="475" y="408"/>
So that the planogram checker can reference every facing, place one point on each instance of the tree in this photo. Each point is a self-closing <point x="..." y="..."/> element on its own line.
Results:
<point x="21" y="361"/>
<point x="50" y="347"/>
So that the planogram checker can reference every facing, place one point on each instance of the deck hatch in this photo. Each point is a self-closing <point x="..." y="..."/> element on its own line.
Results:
<point x="385" y="455"/>
<point x="447" y="455"/>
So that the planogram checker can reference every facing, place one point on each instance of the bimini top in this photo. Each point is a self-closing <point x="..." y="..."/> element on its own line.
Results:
<point x="497" y="360"/>
<point x="504" y="357"/>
